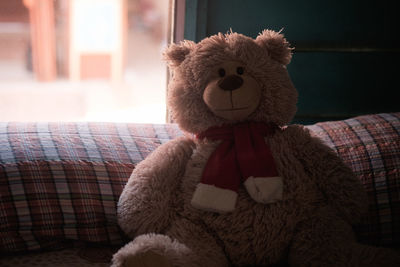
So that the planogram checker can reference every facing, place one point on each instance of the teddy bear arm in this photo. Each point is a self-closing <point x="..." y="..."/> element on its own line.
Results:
<point x="341" y="188"/>
<point x="148" y="200"/>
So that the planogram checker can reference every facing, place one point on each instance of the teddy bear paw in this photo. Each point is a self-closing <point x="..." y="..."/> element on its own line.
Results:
<point x="147" y="259"/>
<point x="265" y="189"/>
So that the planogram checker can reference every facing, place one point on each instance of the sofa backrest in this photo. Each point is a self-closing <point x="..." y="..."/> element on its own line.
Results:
<point x="62" y="181"/>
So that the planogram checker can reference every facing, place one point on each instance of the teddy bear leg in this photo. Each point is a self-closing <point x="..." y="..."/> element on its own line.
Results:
<point x="195" y="248"/>
<point x="149" y="250"/>
<point x="318" y="243"/>
<point x="203" y="247"/>
<point x="364" y="255"/>
<point x="327" y="240"/>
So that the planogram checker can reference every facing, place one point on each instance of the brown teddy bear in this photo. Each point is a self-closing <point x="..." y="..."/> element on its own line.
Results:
<point x="241" y="188"/>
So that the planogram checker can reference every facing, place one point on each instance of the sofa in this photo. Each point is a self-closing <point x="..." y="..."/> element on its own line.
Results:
<point x="60" y="183"/>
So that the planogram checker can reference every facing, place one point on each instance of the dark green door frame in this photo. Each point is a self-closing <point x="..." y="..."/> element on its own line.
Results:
<point x="196" y="20"/>
<point x="346" y="52"/>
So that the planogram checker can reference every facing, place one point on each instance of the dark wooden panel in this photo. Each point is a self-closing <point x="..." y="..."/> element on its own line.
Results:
<point x="346" y="56"/>
<point x="339" y="85"/>
<point x="312" y="22"/>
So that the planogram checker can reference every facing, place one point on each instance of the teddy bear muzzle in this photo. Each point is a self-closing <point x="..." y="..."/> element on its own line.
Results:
<point x="230" y="83"/>
<point x="234" y="95"/>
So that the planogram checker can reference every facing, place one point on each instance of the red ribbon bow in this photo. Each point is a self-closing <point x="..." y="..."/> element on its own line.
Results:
<point x="243" y="153"/>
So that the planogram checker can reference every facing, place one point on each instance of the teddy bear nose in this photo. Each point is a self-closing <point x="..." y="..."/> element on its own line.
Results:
<point x="230" y="83"/>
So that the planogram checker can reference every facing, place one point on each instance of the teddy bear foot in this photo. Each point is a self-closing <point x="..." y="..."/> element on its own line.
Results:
<point x="147" y="259"/>
<point x="264" y="189"/>
<point x="152" y="250"/>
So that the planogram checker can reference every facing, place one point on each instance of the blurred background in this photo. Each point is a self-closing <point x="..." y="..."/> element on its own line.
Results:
<point x="83" y="60"/>
<point x="100" y="60"/>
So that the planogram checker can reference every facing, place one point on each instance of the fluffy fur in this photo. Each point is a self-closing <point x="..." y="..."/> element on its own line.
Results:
<point x="261" y="59"/>
<point x="310" y="226"/>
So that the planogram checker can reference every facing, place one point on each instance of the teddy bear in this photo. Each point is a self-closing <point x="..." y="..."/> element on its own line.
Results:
<point x="241" y="187"/>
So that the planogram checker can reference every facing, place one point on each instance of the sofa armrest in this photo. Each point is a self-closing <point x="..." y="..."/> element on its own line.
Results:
<point x="370" y="146"/>
<point x="62" y="181"/>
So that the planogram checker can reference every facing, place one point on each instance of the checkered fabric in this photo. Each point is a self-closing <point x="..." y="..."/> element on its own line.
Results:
<point x="370" y="146"/>
<point x="62" y="181"/>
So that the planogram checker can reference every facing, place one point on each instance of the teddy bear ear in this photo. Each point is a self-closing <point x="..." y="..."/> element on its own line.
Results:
<point x="175" y="54"/>
<point x="278" y="48"/>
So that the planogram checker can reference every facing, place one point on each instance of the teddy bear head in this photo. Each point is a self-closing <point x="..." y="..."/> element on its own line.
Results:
<point x="230" y="78"/>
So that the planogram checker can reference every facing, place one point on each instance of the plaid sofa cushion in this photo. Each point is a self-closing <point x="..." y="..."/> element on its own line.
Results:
<point x="370" y="146"/>
<point x="62" y="181"/>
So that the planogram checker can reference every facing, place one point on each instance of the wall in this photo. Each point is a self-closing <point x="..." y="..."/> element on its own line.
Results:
<point x="346" y="52"/>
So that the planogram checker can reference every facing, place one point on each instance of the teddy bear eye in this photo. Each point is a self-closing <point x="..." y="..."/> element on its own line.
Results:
<point x="240" y="70"/>
<point x="221" y="72"/>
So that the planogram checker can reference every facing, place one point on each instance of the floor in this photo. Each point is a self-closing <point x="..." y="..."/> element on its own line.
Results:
<point x="80" y="255"/>
<point x="139" y="98"/>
